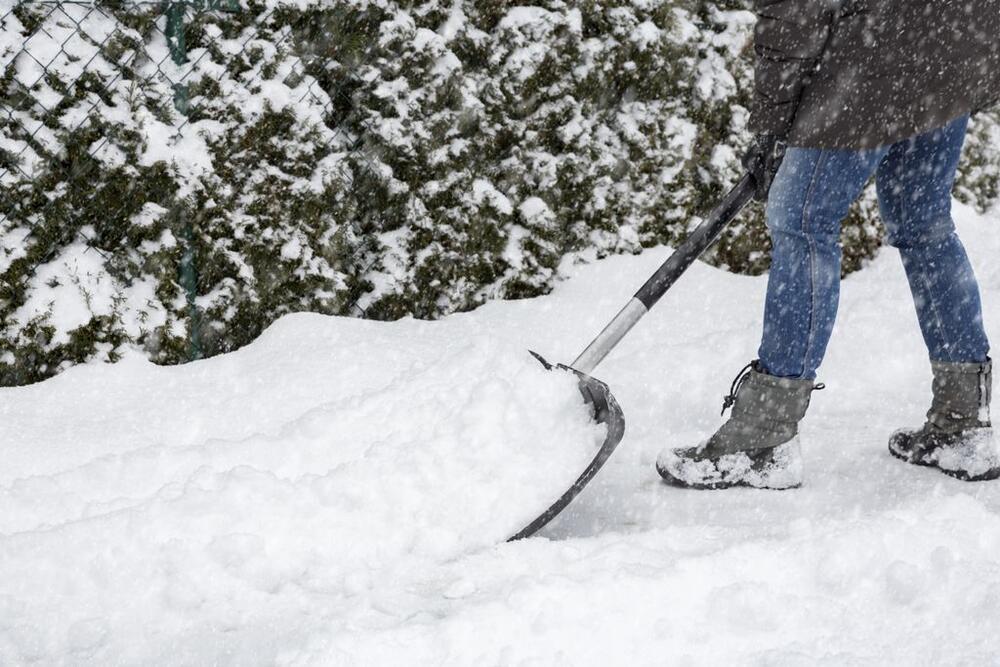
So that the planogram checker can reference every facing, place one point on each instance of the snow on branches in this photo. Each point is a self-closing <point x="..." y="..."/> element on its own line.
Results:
<point x="357" y="157"/>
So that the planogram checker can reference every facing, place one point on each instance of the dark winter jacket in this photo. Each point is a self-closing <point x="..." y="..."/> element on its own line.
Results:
<point x="865" y="73"/>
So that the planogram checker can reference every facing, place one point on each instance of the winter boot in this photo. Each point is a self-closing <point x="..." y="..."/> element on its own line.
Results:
<point x="957" y="437"/>
<point x="757" y="447"/>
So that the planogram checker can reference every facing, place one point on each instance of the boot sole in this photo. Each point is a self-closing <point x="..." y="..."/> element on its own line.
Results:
<point x="763" y="458"/>
<point x="670" y="480"/>
<point x="957" y="474"/>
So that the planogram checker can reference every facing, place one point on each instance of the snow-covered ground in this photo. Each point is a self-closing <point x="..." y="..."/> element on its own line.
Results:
<point x="338" y="492"/>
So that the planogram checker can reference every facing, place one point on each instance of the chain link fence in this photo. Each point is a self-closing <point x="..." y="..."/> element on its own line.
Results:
<point x="118" y="118"/>
<point x="175" y="175"/>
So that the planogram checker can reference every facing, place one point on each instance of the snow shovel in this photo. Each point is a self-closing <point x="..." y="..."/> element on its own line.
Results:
<point x="604" y="407"/>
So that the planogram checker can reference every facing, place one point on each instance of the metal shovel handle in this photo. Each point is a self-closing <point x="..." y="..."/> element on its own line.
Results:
<point x="603" y="405"/>
<point x="693" y="246"/>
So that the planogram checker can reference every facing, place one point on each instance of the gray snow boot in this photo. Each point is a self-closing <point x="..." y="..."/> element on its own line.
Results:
<point x="957" y="437"/>
<point x="758" y="446"/>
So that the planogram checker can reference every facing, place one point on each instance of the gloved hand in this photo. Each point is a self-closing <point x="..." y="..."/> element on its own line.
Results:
<point x="762" y="161"/>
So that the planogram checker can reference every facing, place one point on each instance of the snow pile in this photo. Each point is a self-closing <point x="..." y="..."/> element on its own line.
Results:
<point x="337" y="493"/>
<point x="410" y="443"/>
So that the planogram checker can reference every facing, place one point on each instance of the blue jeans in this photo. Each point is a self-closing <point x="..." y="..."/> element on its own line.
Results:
<point x="811" y="194"/>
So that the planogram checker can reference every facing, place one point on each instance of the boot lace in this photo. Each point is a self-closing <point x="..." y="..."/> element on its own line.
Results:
<point x="729" y="400"/>
<point x="741" y="377"/>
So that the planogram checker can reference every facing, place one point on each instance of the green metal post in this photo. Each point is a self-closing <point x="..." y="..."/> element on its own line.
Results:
<point x="174" y="11"/>
<point x="188" y="268"/>
<point x="178" y="50"/>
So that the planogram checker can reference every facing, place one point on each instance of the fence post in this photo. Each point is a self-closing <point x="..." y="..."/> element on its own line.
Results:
<point x="174" y="11"/>
<point x="174" y="33"/>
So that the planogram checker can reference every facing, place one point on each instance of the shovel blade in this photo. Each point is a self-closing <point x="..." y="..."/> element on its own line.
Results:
<point x="604" y="410"/>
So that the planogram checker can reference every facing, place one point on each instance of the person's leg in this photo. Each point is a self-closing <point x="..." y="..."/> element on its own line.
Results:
<point x="811" y="195"/>
<point x="758" y="445"/>
<point x="914" y="184"/>
<point x="914" y="189"/>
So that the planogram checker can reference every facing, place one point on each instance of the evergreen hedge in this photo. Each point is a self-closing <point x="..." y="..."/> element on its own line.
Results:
<point x="355" y="157"/>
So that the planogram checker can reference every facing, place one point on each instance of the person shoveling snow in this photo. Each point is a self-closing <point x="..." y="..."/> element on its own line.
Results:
<point x="847" y="91"/>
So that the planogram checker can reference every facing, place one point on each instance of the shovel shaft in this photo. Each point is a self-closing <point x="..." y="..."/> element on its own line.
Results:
<point x="694" y="245"/>
<point x="599" y="348"/>
<point x="697" y="242"/>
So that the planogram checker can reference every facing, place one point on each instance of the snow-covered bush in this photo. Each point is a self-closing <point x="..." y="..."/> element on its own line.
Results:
<point x="979" y="176"/>
<point x="360" y="157"/>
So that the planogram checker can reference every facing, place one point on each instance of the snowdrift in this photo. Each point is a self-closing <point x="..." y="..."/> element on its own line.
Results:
<point x="336" y="494"/>
<point x="351" y="445"/>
